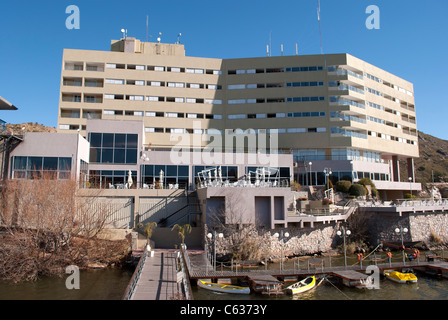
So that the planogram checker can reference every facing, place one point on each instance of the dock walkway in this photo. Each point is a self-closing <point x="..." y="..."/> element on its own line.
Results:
<point x="158" y="278"/>
<point x="200" y="268"/>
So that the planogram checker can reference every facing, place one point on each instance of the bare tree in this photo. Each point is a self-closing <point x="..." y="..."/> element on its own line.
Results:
<point x="241" y="235"/>
<point x="45" y="227"/>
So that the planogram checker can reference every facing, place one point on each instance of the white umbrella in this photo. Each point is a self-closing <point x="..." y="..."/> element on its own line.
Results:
<point x="161" y="179"/>
<point x="130" y="181"/>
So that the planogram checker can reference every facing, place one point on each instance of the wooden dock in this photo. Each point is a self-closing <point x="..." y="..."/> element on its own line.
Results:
<point x="355" y="275"/>
<point x="158" y="278"/>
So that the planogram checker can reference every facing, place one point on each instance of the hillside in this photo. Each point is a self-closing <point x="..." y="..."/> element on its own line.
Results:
<point x="29" y="127"/>
<point x="433" y="158"/>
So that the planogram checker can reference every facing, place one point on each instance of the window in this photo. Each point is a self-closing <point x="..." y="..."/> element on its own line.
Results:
<point x="236" y="86"/>
<point x="176" y="84"/>
<point x="237" y="101"/>
<point x="113" y="148"/>
<point x="156" y="68"/>
<point x="236" y="116"/>
<point x="42" y="167"/>
<point x="173" y="176"/>
<point x="114" y="81"/>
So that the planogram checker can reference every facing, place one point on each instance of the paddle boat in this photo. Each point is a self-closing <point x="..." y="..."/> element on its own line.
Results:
<point x="223" y="288"/>
<point x="302" y="286"/>
<point x="400" y="277"/>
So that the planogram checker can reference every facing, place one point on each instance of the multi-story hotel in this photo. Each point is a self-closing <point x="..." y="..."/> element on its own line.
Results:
<point x="331" y="111"/>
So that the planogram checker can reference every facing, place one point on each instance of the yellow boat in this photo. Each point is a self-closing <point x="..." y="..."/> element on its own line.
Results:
<point x="223" y="288"/>
<point x="401" y="277"/>
<point x="302" y="286"/>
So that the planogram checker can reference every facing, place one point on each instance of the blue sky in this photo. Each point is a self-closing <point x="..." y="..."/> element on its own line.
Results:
<point x="411" y="42"/>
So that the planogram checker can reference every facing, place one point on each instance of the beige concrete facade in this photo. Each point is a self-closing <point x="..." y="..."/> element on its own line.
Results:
<point x="325" y="107"/>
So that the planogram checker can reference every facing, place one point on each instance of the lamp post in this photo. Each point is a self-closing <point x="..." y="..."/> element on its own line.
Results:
<point x="281" y="236"/>
<point x="343" y="234"/>
<point x="327" y="172"/>
<point x="311" y="177"/>
<point x="401" y="231"/>
<point x="410" y="186"/>
<point x="214" y="236"/>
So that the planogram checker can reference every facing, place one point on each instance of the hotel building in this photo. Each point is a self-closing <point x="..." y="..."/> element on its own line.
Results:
<point x="331" y="111"/>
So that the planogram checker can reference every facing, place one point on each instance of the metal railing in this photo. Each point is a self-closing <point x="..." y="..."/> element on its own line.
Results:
<point x="185" y="266"/>
<point x="130" y="290"/>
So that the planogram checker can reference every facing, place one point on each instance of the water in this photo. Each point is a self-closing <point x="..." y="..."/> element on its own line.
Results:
<point x="110" y="284"/>
<point x="107" y="284"/>
<point x="427" y="287"/>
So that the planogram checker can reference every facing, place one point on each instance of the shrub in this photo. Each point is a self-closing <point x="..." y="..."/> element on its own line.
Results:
<point x="343" y="186"/>
<point x="368" y="182"/>
<point x="357" y="190"/>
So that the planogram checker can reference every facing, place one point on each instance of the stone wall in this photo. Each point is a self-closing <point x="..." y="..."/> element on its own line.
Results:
<point x="301" y="241"/>
<point x="426" y="225"/>
<point x="421" y="226"/>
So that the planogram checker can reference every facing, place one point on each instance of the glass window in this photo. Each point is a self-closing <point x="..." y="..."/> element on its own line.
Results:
<point x="20" y="163"/>
<point x="34" y="163"/>
<point x="171" y="171"/>
<point x="120" y="156"/>
<point x="107" y="155"/>
<point x="108" y="140"/>
<point x="95" y="155"/>
<point x="120" y="141"/>
<point x="50" y="163"/>
<point x="183" y="171"/>
<point x="65" y="164"/>
<point x="131" y="156"/>
<point x="132" y="141"/>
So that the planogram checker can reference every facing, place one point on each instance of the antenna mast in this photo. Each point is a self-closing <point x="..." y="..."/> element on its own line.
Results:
<point x="147" y="27"/>
<point x="320" y="27"/>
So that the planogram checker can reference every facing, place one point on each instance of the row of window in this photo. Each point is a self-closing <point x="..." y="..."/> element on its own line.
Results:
<point x="41" y="167"/>
<point x="113" y="148"/>
<point x="234" y="131"/>
<point x="275" y="70"/>
<point x="317" y="178"/>
<point x="276" y="115"/>
<point x="81" y="66"/>
<point x="336" y="154"/>
<point x="275" y="85"/>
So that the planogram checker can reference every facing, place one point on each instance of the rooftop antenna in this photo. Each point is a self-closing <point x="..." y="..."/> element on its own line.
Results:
<point x="160" y="37"/>
<point x="178" y="37"/>
<point x="297" y="49"/>
<point x="125" y="33"/>
<point x="147" y="27"/>
<point x="281" y="49"/>
<point x="320" y="26"/>
<point x="270" y="43"/>
<point x="267" y="50"/>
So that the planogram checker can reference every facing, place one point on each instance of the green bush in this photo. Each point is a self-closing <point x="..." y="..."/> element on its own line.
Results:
<point x="343" y="186"/>
<point x="368" y="182"/>
<point x="357" y="190"/>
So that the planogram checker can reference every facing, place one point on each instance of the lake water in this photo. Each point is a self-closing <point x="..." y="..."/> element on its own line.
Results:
<point x="110" y="284"/>
<point x="427" y="287"/>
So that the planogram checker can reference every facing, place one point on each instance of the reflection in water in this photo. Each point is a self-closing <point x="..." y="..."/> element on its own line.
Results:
<point x="108" y="284"/>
